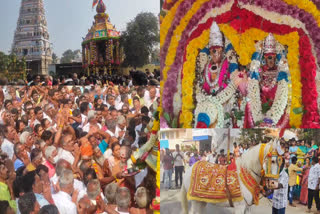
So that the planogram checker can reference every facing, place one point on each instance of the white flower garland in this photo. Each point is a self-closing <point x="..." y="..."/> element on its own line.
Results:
<point x="242" y="108"/>
<point x="177" y="102"/>
<point x="213" y="105"/>
<point x="281" y="97"/>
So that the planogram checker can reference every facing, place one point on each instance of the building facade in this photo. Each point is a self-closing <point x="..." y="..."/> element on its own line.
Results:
<point x="31" y="37"/>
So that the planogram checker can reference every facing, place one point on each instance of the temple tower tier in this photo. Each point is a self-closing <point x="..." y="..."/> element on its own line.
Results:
<point x="31" y="38"/>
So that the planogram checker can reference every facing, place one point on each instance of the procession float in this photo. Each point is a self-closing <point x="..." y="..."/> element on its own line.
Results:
<point x="101" y="51"/>
<point x="240" y="63"/>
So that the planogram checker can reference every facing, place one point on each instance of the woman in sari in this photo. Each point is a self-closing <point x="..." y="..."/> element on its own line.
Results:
<point x="304" y="182"/>
<point x="301" y="152"/>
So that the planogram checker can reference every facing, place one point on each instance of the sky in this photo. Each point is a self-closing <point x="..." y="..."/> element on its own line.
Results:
<point x="69" y="20"/>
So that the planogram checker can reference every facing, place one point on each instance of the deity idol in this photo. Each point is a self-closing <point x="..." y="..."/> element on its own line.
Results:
<point x="268" y="86"/>
<point x="218" y="80"/>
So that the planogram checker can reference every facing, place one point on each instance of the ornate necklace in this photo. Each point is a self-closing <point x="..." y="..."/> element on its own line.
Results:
<point x="269" y="78"/>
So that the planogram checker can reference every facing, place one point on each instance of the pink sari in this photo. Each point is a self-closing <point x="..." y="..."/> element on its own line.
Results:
<point x="304" y="187"/>
<point x="223" y="71"/>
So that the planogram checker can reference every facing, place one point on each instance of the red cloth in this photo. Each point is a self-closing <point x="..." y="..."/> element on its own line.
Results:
<point x="51" y="169"/>
<point x="167" y="162"/>
<point x="304" y="187"/>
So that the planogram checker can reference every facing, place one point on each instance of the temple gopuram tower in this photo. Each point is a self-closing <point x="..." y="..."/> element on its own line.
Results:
<point x="101" y="52"/>
<point x="31" y="38"/>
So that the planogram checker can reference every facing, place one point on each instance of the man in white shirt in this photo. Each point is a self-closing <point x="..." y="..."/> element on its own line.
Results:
<point x="39" y="115"/>
<point x="121" y="128"/>
<point x="84" y="109"/>
<point x="92" y="121"/>
<point x="135" y="144"/>
<point x="280" y="195"/>
<point x="77" y="185"/>
<point x="110" y="101"/>
<point x="63" y="200"/>
<point x="11" y="136"/>
<point x="150" y="96"/>
<point x="66" y="149"/>
<point x="313" y="184"/>
<point x="178" y="163"/>
<point x="211" y="158"/>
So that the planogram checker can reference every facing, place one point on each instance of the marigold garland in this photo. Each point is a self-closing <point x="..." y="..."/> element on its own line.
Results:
<point x="171" y="55"/>
<point x="167" y="21"/>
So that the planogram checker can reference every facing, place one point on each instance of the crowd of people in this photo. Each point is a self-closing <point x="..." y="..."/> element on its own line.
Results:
<point x="299" y="176"/>
<point x="66" y="148"/>
<point x="135" y="77"/>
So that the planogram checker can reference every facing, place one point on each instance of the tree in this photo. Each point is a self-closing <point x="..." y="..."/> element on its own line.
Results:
<point x="12" y="67"/>
<point x="252" y="135"/>
<point x="54" y="58"/>
<point x="155" y="56"/>
<point x="68" y="56"/>
<point x="161" y="3"/>
<point x="139" y="39"/>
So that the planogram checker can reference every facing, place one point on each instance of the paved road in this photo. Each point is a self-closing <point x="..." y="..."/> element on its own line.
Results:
<point x="170" y="203"/>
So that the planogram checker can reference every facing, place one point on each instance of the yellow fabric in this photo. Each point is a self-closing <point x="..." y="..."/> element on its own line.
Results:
<point x="251" y="184"/>
<point x="208" y="183"/>
<point x="293" y="169"/>
<point x="261" y="154"/>
<point x="30" y="167"/>
<point x="300" y="156"/>
<point x="5" y="196"/>
<point x="130" y="103"/>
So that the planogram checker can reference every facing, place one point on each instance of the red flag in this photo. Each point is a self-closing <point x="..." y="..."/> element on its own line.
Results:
<point x="281" y="132"/>
<point x="94" y="3"/>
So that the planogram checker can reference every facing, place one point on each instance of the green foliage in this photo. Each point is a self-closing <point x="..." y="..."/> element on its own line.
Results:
<point x="239" y="115"/>
<point x="139" y="39"/>
<point x="265" y="107"/>
<point x="193" y="148"/>
<point x="252" y="135"/>
<point x="310" y="134"/>
<point x="298" y="110"/>
<point x="172" y="122"/>
<point x="54" y="58"/>
<point x="227" y="115"/>
<point x="68" y="56"/>
<point x="155" y="56"/>
<point x="12" y="67"/>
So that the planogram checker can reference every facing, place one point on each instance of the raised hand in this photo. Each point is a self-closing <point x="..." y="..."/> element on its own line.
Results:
<point x="76" y="150"/>
<point x="75" y="196"/>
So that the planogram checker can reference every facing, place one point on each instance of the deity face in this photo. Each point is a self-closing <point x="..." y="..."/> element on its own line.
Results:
<point x="216" y="54"/>
<point x="203" y="59"/>
<point x="270" y="60"/>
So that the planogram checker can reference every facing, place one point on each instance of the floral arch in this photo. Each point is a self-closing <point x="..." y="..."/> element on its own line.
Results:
<point x="185" y="30"/>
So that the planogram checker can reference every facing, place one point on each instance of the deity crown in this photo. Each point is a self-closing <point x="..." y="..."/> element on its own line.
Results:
<point x="269" y="44"/>
<point x="216" y="37"/>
